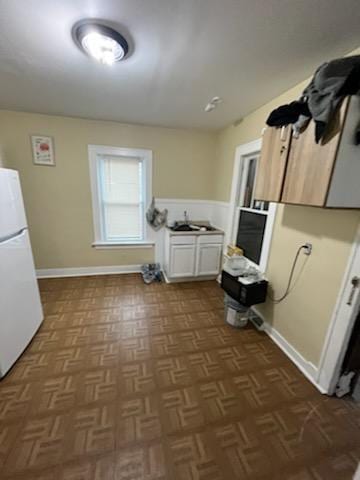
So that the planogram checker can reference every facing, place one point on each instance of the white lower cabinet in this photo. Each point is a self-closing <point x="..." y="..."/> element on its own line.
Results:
<point x="182" y="260"/>
<point x="208" y="259"/>
<point x="192" y="256"/>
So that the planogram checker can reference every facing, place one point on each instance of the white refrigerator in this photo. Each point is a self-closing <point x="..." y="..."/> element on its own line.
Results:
<point x="20" y="307"/>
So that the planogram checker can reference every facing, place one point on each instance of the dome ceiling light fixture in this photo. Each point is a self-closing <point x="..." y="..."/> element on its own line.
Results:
<point x="101" y="42"/>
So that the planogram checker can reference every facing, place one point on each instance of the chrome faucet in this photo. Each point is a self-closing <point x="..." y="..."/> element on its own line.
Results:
<point x="186" y="217"/>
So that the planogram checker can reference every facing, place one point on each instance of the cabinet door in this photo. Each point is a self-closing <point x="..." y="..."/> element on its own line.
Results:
<point x="272" y="163"/>
<point x="208" y="259"/>
<point x="310" y="166"/>
<point x="182" y="260"/>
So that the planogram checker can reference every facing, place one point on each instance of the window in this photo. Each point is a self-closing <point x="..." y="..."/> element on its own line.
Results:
<point x="253" y="226"/>
<point x="121" y="191"/>
<point x="250" y="234"/>
<point x="246" y="197"/>
<point x="250" y="220"/>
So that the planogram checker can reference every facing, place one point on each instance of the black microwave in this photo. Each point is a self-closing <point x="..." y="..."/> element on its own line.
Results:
<point x="246" y="294"/>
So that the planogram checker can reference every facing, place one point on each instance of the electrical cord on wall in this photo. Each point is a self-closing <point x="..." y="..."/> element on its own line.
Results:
<point x="288" y="288"/>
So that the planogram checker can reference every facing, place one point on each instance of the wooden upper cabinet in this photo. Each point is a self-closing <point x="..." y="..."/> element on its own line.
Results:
<point x="310" y="166"/>
<point x="297" y="170"/>
<point x="272" y="164"/>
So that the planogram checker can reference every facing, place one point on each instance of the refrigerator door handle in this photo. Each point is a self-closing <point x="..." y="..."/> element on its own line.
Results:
<point x="9" y="238"/>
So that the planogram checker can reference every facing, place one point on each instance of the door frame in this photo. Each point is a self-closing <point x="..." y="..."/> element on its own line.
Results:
<point x="341" y="324"/>
<point x="238" y="180"/>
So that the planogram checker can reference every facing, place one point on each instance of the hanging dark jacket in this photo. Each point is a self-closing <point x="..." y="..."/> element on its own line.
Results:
<point x="286" y="114"/>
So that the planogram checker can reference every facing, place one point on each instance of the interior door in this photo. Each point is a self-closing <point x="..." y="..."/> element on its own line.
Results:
<point x="310" y="166"/>
<point x="346" y="310"/>
<point x="352" y="356"/>
<point x="272" y="163"/>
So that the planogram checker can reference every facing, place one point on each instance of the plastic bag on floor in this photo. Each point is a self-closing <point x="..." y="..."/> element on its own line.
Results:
<point x="151" y="272"/>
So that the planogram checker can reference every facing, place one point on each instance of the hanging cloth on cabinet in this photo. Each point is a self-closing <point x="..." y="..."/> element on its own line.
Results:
<point x="331" y="83"/>
<point x="289" y="113"/>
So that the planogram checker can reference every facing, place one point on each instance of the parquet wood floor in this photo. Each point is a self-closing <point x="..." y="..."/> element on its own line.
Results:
<point x="126" y="381"/>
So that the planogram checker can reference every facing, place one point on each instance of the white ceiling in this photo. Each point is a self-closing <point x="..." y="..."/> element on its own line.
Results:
<point x="185" y="52"/>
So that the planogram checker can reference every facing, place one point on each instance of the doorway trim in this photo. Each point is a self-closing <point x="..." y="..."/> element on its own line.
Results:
<point x="241" y="153"/>
<point x="341" y="324"/>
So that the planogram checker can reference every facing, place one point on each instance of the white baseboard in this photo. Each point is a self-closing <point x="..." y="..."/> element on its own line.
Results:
<point x="85" y="271"/>
<point x="307" y="368"/>
<point x="204" y="278"/>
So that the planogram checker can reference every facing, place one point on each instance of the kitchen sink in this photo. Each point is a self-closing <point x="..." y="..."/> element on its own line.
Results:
<point x="186" y="227"/>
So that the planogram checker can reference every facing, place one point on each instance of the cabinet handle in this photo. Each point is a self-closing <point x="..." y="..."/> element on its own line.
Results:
<point x="283" y="134"/>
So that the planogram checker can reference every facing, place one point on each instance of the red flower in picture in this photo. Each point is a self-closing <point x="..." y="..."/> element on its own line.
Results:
<point x="44" y="147"/>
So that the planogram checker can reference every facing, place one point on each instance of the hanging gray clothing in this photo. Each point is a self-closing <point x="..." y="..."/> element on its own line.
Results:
<point x="300" y="125"/>
<point x="331" y="83"/>
<point x="154" y="217"/>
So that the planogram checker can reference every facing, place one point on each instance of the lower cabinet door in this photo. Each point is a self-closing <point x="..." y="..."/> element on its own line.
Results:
<point x="182" y="260"/>
<point x="208" y="259"/>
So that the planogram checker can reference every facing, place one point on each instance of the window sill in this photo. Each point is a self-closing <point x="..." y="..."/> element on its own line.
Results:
<point x="118" y="245"/>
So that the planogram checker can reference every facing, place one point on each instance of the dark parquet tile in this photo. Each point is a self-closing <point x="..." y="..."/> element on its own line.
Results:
<point x="126" y="381"/>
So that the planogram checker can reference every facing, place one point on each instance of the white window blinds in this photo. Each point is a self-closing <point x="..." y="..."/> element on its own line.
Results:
<point x="121" y="189"/>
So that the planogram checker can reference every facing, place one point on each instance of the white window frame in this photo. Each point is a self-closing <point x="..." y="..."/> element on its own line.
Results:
<point x="243" y="155"/>
<point x="146" y="158"/>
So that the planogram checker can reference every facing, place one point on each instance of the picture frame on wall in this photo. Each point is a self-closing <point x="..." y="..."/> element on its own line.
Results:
<point x="43" y="150"/>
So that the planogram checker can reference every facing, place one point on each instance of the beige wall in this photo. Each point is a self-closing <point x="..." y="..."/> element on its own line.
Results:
<point x="303" y="318"/>
<point x="57" y="199"/>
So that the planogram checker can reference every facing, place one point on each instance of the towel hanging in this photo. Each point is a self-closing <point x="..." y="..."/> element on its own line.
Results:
<point x="155" y="218"/>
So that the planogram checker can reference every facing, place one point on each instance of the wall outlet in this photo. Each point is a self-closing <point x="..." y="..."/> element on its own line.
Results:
<point x="307" y="248"/>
